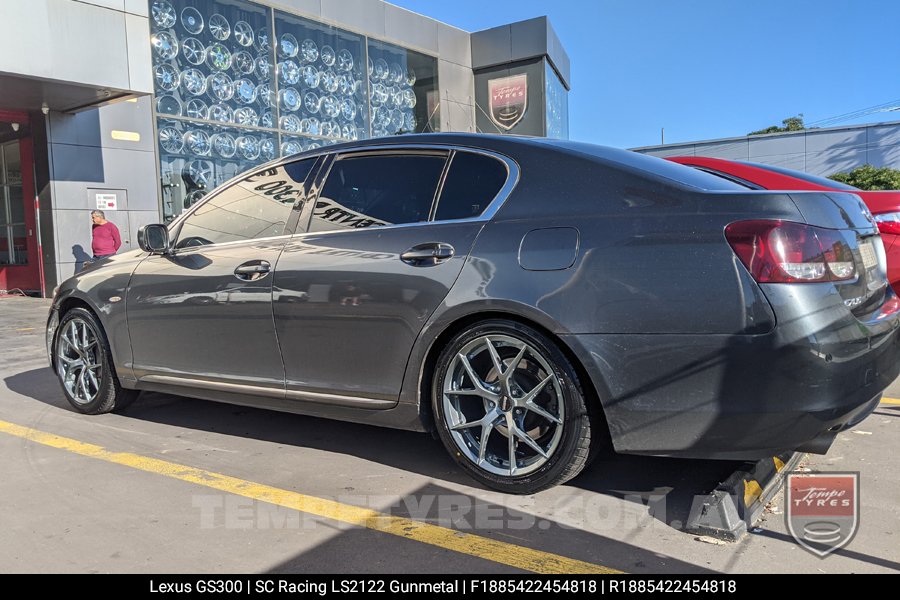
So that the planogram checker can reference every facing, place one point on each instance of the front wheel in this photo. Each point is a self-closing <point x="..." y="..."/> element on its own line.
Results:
<point x="83" y="365"/>
<point x="510" y="409"/>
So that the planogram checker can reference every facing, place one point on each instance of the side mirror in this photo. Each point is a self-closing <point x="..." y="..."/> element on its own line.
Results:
<point x="154" y="239"/>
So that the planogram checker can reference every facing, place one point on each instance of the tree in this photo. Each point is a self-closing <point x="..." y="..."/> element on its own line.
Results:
<point x="868" y="177"/>
<point x="790" y="124"/>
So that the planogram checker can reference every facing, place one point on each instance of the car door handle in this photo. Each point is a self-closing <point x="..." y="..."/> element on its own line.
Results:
<point x="427" y="255"/>
<point x="253" y="270"/>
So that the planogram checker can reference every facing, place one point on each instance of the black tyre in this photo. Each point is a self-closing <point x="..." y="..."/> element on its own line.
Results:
<point x="510" y="409"/>
<point x="83" y="365"/>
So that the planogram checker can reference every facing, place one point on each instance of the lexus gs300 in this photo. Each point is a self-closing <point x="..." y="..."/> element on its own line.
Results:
<point x="528" y="300"/>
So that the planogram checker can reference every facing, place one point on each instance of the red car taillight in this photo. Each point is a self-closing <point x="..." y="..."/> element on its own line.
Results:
<point x="888" y="222"/>
<point x="787" y="252"/>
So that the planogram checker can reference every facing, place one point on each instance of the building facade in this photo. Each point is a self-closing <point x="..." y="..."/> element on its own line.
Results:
<point x="140" y="107"/>
<point x="821" y="152"/>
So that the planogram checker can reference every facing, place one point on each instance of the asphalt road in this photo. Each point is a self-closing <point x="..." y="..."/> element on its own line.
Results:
<point x="174" y="484"/>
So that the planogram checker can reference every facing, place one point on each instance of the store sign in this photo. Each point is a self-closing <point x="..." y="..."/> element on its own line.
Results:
<point x="508" y="100"/>
<point x="107" y="201"/>
<point x="822" y="509"/>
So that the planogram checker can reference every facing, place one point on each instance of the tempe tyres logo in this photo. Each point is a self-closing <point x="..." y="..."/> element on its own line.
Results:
<point x="822" y="510"/>
<point x="508" y="100"/>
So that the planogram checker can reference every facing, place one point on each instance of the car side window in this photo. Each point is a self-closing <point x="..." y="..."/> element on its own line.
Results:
<point x="473" y="181"/>
<point x="258" y="206"/>
<point x="377" y="190"/>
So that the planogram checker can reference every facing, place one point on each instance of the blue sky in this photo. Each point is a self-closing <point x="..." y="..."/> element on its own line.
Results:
<point x="707" y="68"/>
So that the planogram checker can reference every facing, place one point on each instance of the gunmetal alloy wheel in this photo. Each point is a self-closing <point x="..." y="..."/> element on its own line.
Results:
<point x="84" y="366"/>
<point x="508" y="406"/>
<point x="79" y="361"/>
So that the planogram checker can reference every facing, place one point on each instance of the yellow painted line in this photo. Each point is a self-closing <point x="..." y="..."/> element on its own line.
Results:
<point x="779" y="464"/>
<point x="26" y="329"/>
<point x="442" y="537"/>
<point x="890" y="401"/>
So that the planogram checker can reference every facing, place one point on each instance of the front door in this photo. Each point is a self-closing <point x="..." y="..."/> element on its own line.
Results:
<point x="201" y="316"/>
<point x="19" y="253"/>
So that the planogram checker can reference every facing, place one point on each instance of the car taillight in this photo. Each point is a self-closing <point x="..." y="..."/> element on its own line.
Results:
<point x="788" y="252"/>
<point x="888" y="222"/>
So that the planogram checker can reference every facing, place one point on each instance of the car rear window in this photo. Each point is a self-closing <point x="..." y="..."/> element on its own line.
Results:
<point x="472" y="183"/>
<point x="654" y="166"/>
<point x="824" y="182"/>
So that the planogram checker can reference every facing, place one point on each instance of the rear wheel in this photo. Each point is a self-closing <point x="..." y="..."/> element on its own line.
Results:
<point x="83" y="364"/>
<point x="509" y="408"/>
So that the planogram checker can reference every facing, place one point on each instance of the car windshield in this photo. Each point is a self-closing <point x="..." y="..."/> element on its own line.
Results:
<point x="823" y="181"/>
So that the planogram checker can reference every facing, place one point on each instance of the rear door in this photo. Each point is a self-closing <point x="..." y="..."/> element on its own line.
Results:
<point x="375" y="258"/>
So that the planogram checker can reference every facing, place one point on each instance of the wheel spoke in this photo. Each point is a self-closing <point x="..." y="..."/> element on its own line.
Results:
<point x="82" y="385"/>
<point x="72" y="338"/>
<point x="487" y="419"/>
<point x="68" y="343"/>
<point x="537" y="409"/>
<point x="93" y="377"/>
<point x="486" y="431"/>
<point x="495" y="357"/>
<point x="535" y="391"/>
<point x="515" y="363"/>
<point x="529" y="441"/>
<point x="476" y="380"/>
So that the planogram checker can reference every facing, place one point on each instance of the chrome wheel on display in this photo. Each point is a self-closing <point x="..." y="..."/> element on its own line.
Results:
<point x="165" y="44"/>
<point x="248" y="147"/>
<point x="242" y="62"/>
<point x="193" y="51"/>
<point x="246" y="116"/>
<point x="509" y="408"/>
<point x="193" y="82"/>
<point x="218" y="57"/>
<point x="192" y="20"/>
<point x="197" y="109"/>
<point x="171" y="140"/>
<point x="219" y="27"/>
<point x="345" y="61"/>
<point x="163" y="14"/>
<point x="288" y="46"/>
<point x="243" y="34"/>
<point x="166" y="77"/>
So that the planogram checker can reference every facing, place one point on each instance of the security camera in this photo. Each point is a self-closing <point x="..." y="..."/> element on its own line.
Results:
<point x="15" y="126"/>
<point x="45" y="109"/>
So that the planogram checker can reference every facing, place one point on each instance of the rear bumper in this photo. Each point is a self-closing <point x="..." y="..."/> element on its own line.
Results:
<point x="745" y="397"/>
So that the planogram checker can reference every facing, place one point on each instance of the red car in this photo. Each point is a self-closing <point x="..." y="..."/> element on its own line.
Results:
<point x="885" y="206"/>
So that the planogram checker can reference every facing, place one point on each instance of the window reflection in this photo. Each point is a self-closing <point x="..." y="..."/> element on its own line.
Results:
<point x="557" y="105"/>
<point x="256" y="207"/>
<point x="374" y="191"/>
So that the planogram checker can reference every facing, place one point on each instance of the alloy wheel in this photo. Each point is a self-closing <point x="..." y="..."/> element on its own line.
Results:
<point x="503" y="405"/>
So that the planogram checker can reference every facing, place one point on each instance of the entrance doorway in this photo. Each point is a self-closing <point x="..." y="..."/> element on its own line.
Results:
<point x="20" y="266"/>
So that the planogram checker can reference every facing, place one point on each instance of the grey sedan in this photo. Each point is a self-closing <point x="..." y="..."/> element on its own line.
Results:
<point x="529" y="300"/>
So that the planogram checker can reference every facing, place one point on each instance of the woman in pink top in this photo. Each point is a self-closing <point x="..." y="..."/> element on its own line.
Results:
<point x="105" y="238"/>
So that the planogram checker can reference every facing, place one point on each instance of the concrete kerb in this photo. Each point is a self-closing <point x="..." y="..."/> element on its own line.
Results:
<point x="730" y="510"/>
